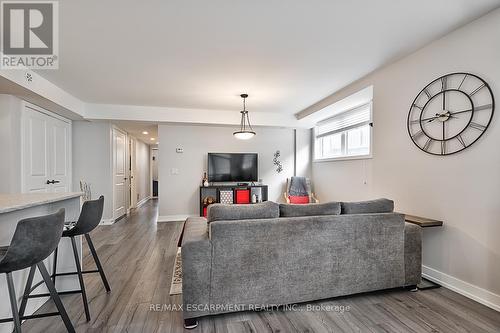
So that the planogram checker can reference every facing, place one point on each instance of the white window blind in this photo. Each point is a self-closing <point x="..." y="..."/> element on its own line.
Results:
<point x="345" y="135"/>
<point x="344" y="121"/>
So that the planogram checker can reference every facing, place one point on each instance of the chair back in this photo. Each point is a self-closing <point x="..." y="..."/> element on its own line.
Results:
<point x="90" y="216"/>
<point x="34" y="240"/>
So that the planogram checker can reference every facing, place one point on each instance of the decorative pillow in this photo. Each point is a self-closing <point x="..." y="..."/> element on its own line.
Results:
<point x="328" y="208"/>
<point x="298" y="199"/>
<point x="367" y="207"/>
<point x="224" y="212"/>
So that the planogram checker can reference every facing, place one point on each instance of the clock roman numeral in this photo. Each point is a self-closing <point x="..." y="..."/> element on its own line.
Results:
<point x="427" y="144"/>
<point x="461" y="140"/>
<point x="427" y="93"/>
<point x="417" y="135"/>
<point x="443" y="147"/>
<point x="413" y="122"/>
<point x="463" y="80"/>
<point x="477" y="89"/>
<point x="418" y="107"/>
<point x="444" y="83"/>
<point x="483" y="107"/>
<point x="477" y="126"/>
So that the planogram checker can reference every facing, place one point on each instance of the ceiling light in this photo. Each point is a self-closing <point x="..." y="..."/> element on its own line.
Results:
<point x="145" y="132"/>
<point x="152" y="139"/>
<point x="246" y="131"/>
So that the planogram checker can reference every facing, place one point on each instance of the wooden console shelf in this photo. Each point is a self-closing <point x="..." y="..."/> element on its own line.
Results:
<point x="215" y="191"/>
<point x="423" y="221"/>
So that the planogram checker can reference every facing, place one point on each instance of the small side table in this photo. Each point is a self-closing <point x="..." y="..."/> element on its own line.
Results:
<point x="424" y="222"/>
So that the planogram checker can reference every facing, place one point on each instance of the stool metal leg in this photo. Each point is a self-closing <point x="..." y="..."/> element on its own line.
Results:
<point x="97" y="263"/>
<point x="55" y="297"/>
<point x="80" y="278"/>
<point x="27" y="289"/>
<point x="54" y="266"/>
<point x="13" y="303"/>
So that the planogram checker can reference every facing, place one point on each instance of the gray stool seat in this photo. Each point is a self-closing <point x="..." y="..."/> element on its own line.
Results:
<point x="89" y="219"/>
<point x="33" y="241"/>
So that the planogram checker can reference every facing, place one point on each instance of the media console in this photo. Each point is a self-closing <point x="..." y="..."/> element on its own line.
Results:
<point x="232" y="194"/>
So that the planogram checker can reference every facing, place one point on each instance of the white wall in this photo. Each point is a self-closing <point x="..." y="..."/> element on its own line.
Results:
<point x="10" y="144"/>
<point x="154" y="167"/>
<point x="142" y="169"/>
<point x="461" y="189"/>
<point x="179" y="194"/>
<point x="92" y="161"/>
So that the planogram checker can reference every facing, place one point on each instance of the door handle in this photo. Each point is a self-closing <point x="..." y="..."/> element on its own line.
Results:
<point x="52" y="182"/>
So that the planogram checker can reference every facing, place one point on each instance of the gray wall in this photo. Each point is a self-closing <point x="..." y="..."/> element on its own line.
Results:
<point x="142" y="161"/>
<point x="179" y="193"/>
<point x="10" y="144"/>
<point x="461" y="189"/>
<point x="92" y="160"/>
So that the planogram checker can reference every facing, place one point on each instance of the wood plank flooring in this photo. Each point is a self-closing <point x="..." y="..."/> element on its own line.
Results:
<point x="138" y="257"/>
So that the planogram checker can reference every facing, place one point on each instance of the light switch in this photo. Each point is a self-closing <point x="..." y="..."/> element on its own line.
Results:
<point x="174" y="171"/>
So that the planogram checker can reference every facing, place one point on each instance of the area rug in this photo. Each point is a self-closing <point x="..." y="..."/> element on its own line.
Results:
<point x="176" y="284"/>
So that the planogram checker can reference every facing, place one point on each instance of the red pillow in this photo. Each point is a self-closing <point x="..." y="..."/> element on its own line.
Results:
<point x="303" y="199"/>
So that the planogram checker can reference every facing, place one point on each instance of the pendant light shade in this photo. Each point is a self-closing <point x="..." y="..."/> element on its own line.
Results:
<point x="246" y="132"/>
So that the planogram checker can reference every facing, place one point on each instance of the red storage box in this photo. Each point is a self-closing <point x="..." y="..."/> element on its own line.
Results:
<point x="242" y="196"/>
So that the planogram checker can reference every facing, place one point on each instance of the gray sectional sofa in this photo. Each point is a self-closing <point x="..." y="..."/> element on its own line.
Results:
<point x="245" y="256"/>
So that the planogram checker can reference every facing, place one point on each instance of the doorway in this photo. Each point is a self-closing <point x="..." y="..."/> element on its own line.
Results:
<point x="154" y="173"/>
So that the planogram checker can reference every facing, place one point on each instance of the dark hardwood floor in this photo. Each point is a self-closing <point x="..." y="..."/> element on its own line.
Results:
<point x="138" y="257"/>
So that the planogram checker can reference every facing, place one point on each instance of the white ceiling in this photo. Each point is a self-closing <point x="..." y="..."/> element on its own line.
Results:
<point x="136" y="129"/>
<point x="202" y="54"/>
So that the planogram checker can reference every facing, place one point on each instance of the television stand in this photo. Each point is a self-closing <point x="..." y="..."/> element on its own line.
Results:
<point x="231" y="194"/>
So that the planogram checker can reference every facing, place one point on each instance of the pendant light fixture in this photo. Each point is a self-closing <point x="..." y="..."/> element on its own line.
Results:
<point x="246" y="131"/>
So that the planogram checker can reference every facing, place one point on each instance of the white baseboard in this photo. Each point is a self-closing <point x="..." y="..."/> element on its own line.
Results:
<point x="107" y="221"/>
<point x="142" y="202"/>
<point x="173" y="218"/>
<point x="476" y="293"/>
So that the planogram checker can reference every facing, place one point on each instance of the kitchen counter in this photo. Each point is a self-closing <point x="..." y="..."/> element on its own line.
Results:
<point x="15" y="207"/>
<point x="12" y="202"/>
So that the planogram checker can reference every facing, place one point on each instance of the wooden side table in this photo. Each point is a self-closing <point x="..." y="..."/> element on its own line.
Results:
<point x="424" y="222"/>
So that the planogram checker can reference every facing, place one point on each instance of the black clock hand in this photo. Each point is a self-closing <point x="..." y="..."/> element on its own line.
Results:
<point x="431" y="118"/>
<point x="444" y="100"/>
<point x="463" y="111"/>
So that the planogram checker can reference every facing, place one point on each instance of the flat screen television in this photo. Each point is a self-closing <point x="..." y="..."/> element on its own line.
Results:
<point x="237" y="167"/>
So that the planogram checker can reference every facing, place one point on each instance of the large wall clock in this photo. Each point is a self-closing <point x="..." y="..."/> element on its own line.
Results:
<point x="451" y="113"/>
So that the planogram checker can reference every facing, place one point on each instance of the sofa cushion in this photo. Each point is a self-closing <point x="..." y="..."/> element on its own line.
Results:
<point x="368" y="207"/>
<point x="313" y="209"/>
<point x="224" y="212"/>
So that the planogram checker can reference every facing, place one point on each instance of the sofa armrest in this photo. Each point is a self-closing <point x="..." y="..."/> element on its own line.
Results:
<point x="196" y="266"/>
<point x="413" y="254"/>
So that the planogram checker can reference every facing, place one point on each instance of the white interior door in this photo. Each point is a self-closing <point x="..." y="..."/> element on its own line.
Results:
<point x="46" y="152"/>
<point x="133" y="167"/>
<point x="59" y="155"/>
<point x="119" y="173"/>
<point x="35" y="151"/>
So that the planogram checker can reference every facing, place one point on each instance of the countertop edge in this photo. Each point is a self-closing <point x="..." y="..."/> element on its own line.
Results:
<point x="62" y="197"/>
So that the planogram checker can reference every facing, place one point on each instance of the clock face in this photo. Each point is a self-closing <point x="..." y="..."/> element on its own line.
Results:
<point x="450" y="113"/>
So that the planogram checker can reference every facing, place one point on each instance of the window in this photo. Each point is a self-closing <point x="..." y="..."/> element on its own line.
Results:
<point x="345" y="135"/>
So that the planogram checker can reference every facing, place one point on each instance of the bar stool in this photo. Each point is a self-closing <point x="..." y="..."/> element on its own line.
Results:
<point x="33" y="241"/>
<point x="89" y="218"/>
